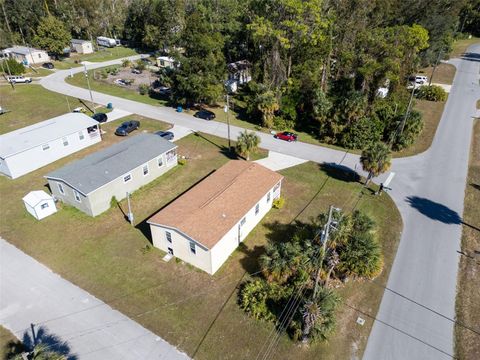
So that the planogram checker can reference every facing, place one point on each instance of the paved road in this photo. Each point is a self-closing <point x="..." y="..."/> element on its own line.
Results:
<point x="32" y="293"/>
<point x="414" y="321"/>
<point x="429" y="191"/>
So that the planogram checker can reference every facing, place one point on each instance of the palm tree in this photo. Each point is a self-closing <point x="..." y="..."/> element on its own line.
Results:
<point x="375" y="159"/>
<point x="41" y="352"/>
<point x="267" y="104"/>
<point x="332" y="261"/>
<point x="311" y="314"/>
<point x="247" y="143"/>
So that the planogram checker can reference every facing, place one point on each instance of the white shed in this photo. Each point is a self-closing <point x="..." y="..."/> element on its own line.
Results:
<point x="39" y="204"/>
<point x="82" y="46"/>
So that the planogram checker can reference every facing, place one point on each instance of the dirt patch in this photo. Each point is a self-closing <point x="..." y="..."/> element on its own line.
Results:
<point x="145" y="77"/>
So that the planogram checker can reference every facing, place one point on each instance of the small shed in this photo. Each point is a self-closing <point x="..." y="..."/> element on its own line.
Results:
<point x="165" y="62"/>
<point x="82" y="46"/>
<point x="39" y="204"/>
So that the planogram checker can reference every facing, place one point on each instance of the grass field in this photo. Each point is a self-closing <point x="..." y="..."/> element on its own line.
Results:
<point x="467" y="344"/>
<point x="444" y="73"/>
<point x="460" y="46"/>
<point x="190" y="309"/>
<point x="5" y="338"/>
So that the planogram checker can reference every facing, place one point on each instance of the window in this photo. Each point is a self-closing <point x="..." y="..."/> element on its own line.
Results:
<point x="65" y="141"/>
<point x="77" y="196"/>
<point x="60" y="188"/>
<point x="80" y="135"/>
<point x="171" y="155"/>
<point x="268" y="197"/>
<point x="160" y="161"/>
<point x="145" y="169"/>
<point x="92" y="129"/>
<point x="39" y="55"/>
<point x="257" y="209"/>
<point x="192" y="247"/>
<point x="168" y="236"/>
<point x="127" y="178"/>
<point x="243" y="221"/>
<point x="45" y="147"/>
<point x="276" y="187"/>
<point x="44" y="206"/>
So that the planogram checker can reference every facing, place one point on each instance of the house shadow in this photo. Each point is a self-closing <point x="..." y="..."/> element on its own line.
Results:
<point x="34" y="337"/>
<point x="434" y="210"/>
<point x="339" y="172"/>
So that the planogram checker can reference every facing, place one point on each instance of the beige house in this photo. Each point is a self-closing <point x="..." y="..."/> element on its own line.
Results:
<point x="26" y="55"/>
<point x="82" y="46"/>
<point x="90" y="184"/>
<point x="207" y="223"/>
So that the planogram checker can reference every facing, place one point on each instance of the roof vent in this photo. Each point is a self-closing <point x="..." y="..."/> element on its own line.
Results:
<point x="224" y="216"/>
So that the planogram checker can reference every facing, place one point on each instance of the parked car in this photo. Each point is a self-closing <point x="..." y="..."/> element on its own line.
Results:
<point x="19" y="79"/>
<point x="167" y="135"/>
<point x="48" y="65"/>
<point x="287" y="136"/>
<point x="120" y="82"/>
<point x="127" y="127"/>
<point x="164" y="90"/>
<point x="136" y="71"/>
<point x="100" y="117"/>
<point x="205" y="114"/>
<point x="79" y="110"/>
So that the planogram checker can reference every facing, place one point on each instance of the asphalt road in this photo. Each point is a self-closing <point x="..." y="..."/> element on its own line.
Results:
<point x="30" y="293"/>
<point x="415" y="320"/>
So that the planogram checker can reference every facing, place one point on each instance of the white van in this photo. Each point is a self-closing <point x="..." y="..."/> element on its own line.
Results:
<point x="14" y="79"/>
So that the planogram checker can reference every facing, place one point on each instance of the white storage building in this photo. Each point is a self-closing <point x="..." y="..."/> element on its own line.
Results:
<point x="39" y="204"/>
<point x="34" y="146"/>
<point x="82" y="46"/>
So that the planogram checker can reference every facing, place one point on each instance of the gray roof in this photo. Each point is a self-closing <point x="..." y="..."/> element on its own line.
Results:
<point x="24" y="50"/>
<point x="41" y="133"/>
<point x="78" y="41"/>
<point x="100" y="168"/>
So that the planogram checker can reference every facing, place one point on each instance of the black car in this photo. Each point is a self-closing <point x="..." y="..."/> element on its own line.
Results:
<point x="100" y="117"/>
<point x="48" y="65"/>
<point x="205" y="114"/>
<point x="167" y="135"/>
<point x="127" y="127"/>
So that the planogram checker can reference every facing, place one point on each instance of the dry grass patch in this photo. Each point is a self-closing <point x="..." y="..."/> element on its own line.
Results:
<point x="460" y="46"/>
<point x="444" y="73"/>
<point x="467" y="342"/>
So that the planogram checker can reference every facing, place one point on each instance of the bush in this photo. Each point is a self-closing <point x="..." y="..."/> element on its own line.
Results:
<point x="13" y="67"/>
<point x="432" y="93"/>
<point x="128" y="81"/>
<point x="362" y="133"/>
<point x="182" y="161"/>
<point x="104" y="74"/>
<point x="253" y="299"/>
<point x="143" y="89"/>
<point x="282" y="124"/>
<point x="113" y="201"/>
<point x="126" y="63"/>
<point x="278" y="203"/>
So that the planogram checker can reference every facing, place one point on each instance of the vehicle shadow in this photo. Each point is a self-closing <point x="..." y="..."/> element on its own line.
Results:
<point x="41" y="340"/>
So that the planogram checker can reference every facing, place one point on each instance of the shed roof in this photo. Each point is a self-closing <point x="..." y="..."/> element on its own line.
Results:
<point x="23" y="50"/>
<point x="33" y="198"/>
<point x="100" y="168"/>
<point x="211" y="208"/>
<point x="40" y="133"/>
<point x="79" y="41"/>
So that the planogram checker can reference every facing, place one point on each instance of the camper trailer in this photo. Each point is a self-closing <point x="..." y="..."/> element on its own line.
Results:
<point x="105" y="41"/>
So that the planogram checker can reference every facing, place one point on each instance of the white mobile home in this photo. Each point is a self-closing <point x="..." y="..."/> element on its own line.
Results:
<point x="39" y="204"/>
<point x="34" y="146"/>
<point x="82" y="46"/>
<point x="26" y="55"/>
<point x="165" y="62"/>
<point x="90" y="184"/>
<point x="207" y="223"/>
<point x="105" y="41"/>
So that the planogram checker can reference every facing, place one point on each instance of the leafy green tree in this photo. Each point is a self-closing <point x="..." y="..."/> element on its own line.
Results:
<point x="375" y="159"/>
<point x="255" y="295"/>
<point x="52" y="35"/>
<point x="247" y="142"/>
<point x="470" y="18"/>
<point x="12" y="67"/>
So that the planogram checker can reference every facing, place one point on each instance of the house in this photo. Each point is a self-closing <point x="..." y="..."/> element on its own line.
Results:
<point x="34" y="146"/>
<point x="239" y="73"/>
<point x="26" y="55"/>
<point x="165" y="62"/>
<point x="82" y="46"/>
<point x="39" y="204"/>
<point x="90" y="184"/>
<point x="206" y="224"/>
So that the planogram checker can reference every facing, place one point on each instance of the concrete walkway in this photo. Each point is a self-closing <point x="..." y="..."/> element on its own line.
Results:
<point x="276" y="161"/>
<point x="116" y="114"/>
<point x="30" y="293"/>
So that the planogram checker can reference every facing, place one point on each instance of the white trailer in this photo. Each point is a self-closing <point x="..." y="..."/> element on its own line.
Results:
<point x="105" y="41"/>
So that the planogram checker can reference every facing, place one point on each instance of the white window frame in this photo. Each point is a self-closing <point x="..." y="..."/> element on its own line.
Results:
<point x="257" y="209"/>
<point x="65" y="141"/>
<point x="45" y="147"/>
<point x="277" y="186"/>
<point x="143" y="169"/>
<point x="60" y="188"/>
<point x="193" y="249"/>
<point x="76" y="195"/>
<point x="168" y="236"/>
<point x="80" y="135"/>
<point x="129" y="175"/>
<point x="243" y="221"/>
<point x="268" y="197"/>
<point x="44" y="206"/>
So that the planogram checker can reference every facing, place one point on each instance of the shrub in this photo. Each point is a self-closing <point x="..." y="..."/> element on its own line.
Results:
<point x="128" y="81"/>
<point x="104" y="74"/>
<point x="432" y="93"/>
<point x="278" y="203"/>
<point x="182" y="161"/>
<point x="143" y="89"/>
<point x="13" y="67"/>
<point x="147" y="248"/>
<point x="282" y="124"/>
<point x="253" y="298"/>
<point x="362" y="133"/>
<point x="126" y="63"/>
<point x="113" y="201"/>
<point x="140" y="65"/>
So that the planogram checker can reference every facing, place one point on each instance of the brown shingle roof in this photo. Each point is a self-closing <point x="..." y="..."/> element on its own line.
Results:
<point x="210" y="209"/>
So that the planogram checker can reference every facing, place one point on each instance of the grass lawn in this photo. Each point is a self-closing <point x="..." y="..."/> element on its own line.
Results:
<point x="432" y="113"/>
<point x="6" y="337"/>
<point x="444" y="73"/>
<point x="467" y="343"/>
<point x="38" y="72"/>
<point x="112" y="89"/>
<point x="460" y="46"/>
<point x="189" y="308"/>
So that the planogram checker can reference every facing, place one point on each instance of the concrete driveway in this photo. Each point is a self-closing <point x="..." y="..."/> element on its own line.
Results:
<point x="415" y="320"/>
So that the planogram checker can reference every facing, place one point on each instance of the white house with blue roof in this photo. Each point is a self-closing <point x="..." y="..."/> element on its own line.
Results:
<point x="90" y="184"/>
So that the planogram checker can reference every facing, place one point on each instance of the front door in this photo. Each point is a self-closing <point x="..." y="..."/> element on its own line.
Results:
<point x="170" y="251"/>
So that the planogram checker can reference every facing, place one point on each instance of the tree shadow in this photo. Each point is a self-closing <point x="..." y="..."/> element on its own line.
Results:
<point x="434" y="210"/>
<point x="224" y="150"/>
<point x="33" y="338"/>
<point x="471" y="56"/>
<point x="250" y="261"/>
<point x="475" y="186"/>
<point x="339" y="172"/>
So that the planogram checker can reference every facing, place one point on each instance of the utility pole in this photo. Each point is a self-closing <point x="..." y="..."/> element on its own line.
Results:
<point x="130" y="214"/>
<point x="88" y="83"/>
<point x="228" y="122"/>
<point x="408" y="109"/>
<point x="324" y="238"/>
<point x="435" y="67"/>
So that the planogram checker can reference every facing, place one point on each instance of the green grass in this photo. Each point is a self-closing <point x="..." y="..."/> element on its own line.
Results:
<point x="31" y="103"/>
<point x="460" y="46"/>
<point x="444" y="73"/>
<point x="106" y="54"/>
<point x="104" y="255"/>
<point x="467" y="343"/>
<point x="112" y="89"/>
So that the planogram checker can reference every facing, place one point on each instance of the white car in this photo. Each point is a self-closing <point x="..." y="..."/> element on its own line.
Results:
<point x="19" y="79"/>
